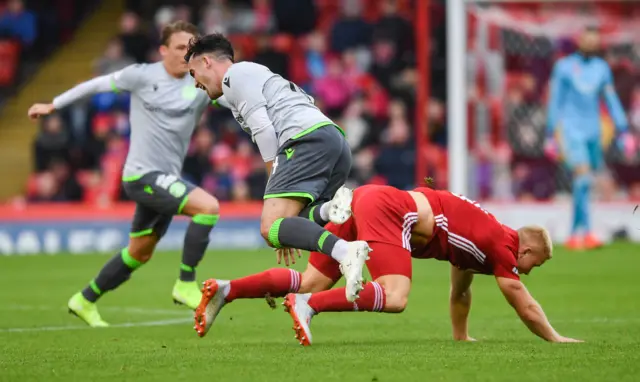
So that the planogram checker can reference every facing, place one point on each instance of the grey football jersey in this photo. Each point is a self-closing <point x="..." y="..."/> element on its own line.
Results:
<point x="248" y="86"/>
<point x="164" y="112"/>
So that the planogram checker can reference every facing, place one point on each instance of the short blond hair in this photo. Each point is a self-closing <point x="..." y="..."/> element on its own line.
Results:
<point x="538" y="239"/>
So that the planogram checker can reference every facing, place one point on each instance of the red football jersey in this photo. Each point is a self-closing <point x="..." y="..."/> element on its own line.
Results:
<point x="469" y="237"/>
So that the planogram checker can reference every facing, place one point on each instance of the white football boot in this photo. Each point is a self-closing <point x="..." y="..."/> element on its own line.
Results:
<point x="212" y="302"/>
<point x="340" y="206"/>
<point x="298" y="308"/>
<point x="351" y="267"/>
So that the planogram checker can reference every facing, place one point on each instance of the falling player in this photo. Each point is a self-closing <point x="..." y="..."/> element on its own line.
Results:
<point x="305" y="153"/>
<point x="398" y="225"/>
<point x="165" y="108"/>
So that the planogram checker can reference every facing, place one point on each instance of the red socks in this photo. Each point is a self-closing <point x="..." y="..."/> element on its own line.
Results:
<point x="277" y="282"/>
<point x="372" y="299"/>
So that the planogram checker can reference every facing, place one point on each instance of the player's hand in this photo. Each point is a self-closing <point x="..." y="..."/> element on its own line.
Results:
<point x="39" y="109"/>
<point x="568" y="340"/>
<point x="288" y="254"/>
<point x="551" y="149"/>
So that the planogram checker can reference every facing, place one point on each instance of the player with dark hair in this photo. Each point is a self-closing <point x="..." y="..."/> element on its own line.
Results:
<point x="165" y="109"/>
<point x="399" y="225"/>
<point x="305" y="153"/>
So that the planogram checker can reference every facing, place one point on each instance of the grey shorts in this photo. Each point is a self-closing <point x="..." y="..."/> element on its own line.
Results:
<point x="158" y="196"/>
<point x="312" y="166"/>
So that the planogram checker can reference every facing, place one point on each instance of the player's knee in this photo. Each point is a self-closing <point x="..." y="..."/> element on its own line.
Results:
<point x="265" y="228"/>
<point x="141" y="254"/>
<point x="212" y="207"/>
<point x="141" y="248"/>
<point x="395" y="302"/>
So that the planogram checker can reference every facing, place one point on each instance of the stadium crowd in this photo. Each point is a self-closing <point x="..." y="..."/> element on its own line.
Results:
<point x="355" y="57"/>
<point x="30" y="30"/>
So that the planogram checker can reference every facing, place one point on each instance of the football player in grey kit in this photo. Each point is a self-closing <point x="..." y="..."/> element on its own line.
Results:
<point x="165" y="108"/>
<point x="305" y="153"/>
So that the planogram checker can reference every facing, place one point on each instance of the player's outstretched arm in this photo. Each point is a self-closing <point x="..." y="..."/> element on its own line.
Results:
<point x="556" y="98"/>
<point x="460" y="303"/>
<point x="529" y="310"/>
<point x="125" y="79"/>
<point x="613" y="102"/>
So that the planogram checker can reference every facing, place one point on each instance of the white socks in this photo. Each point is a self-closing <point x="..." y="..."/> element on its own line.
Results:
<point x="324" y="211"/>
<point x="340" y="250"/>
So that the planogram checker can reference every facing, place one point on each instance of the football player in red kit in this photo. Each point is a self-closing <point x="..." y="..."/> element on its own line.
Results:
<point x="398" y="225"/>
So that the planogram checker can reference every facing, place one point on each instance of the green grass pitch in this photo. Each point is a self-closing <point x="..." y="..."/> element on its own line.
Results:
<point x="593" y="296"/>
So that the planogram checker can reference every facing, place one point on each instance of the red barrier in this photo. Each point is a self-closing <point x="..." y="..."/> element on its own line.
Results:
<point x="119" y="211"/>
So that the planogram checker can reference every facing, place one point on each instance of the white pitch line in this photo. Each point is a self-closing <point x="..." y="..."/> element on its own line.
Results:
<point x="174" y="321"/>
<point x="121" y="309"/>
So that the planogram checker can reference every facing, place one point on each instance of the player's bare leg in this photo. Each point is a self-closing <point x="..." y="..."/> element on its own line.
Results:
<point x="114" y="273"/>
<point x="270" y="284"/>
<point x="281" y="227"/>
<point x="204" y="210"/>
<point x="387" y="294"/>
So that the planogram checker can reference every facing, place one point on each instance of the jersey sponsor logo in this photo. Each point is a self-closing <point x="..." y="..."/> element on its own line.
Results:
<point x="227" y="82"/>
<point x="289" y="152"/>
<point x="172" y="113"/>
<point x="155" y="87"/>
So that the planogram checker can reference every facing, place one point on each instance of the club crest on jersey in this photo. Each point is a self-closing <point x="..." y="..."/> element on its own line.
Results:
<point x="239" y="119"/>
<point x="189" y="93"/>
<point x="515" y="270"/>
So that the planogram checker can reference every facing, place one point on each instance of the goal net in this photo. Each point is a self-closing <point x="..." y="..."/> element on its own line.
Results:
<point x="510" y="52"/>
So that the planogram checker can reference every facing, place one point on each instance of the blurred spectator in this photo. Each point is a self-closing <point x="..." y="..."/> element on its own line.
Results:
<point x="396" y="159"/>
<point x="316" y="48"/>
<point x="333" y="89"/>
<point x="385" y="63"/>
<point x="436" y="123"/>
<point x="394" y="27"/>
<point x="276" y="61"/>
<point x="296" y="17"/>
<point x="113" y="58"/>
<point x="135" y="42"/>
<point x="215" y="18"/>
<point x="351" y="30"/>
<point x="68" y="187"/>
<point x="356" y="125"/>
<point x="52" y="143"/>
<point x="164" y="16"/>
<point x="198" y="162"/>
<point x="17" y="22"/>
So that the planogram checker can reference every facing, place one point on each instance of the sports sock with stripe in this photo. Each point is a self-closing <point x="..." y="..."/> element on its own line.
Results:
<point x="372" y="299"/>
<point x="318" y="214"/>
<point x="196" y="241"/>
<point x="300" y="233"/>
<point x="276" y="282"/>
<point x="115" y="272"/>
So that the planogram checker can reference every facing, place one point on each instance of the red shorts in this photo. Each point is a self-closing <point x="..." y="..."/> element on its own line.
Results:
<point x="383" y="217"/>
